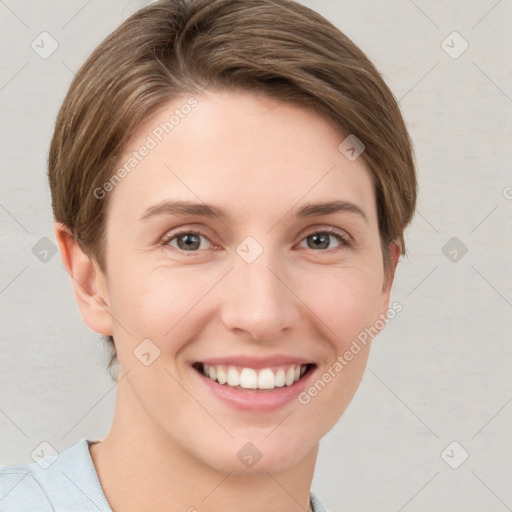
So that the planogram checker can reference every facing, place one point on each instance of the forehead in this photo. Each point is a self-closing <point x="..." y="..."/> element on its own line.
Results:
<point x="245" y="152"/>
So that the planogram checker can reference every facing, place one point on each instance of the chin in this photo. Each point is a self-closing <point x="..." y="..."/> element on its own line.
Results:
<point x="259" y="456"/>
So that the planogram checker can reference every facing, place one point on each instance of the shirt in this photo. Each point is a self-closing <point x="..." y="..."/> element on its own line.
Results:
<point x="65" y="482"/>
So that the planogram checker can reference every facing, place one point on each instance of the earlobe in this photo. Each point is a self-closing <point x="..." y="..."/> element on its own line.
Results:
<point x="89" y="282"/>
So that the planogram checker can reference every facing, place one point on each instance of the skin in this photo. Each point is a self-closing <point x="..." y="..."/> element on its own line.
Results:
<point x="171" y="441"/>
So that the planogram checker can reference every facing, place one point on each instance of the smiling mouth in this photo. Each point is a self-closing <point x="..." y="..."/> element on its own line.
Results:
<point x="265" y="379"/>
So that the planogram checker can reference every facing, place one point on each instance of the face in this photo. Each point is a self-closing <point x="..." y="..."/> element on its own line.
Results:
<point x="257" y="285"/>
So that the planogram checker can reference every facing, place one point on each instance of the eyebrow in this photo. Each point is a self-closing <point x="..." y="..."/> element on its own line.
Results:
<point x="313" y="210"/>
<point x="207" y="210"/>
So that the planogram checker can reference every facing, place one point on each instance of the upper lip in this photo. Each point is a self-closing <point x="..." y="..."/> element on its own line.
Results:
<point x="255" y="362"/>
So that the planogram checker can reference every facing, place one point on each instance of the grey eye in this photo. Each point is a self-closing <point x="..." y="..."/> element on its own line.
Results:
<point x="187" y="241"/>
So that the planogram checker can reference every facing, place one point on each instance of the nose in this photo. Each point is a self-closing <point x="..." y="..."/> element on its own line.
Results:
<point x="258" y="299"/>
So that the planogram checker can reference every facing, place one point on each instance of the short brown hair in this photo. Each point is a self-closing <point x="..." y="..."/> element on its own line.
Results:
<point x="278" y="48"/>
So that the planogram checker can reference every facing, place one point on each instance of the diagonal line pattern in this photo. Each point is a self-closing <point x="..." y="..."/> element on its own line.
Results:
<point x="503" y="407"/>
<point x="492" y="211"/>
<point x="287" y="492"/>
<point x="96" y="403"/>
<point x="82" y="491"/>
<point x="199" y="403"/>
<point x="14" y="76"/>
<point x="217" y="486"/>
<point x="280" y="423"/>
<point x="422" y="281"/>
<point x="418" y="82"/>
<point x="3" y="3"/>
<point x="486" y="14"/>
<point x="425" y="219"/>
<point x="508" y="508"/>
<point x="493" y="287"/>
<point x="12" y="488"/>
<point x="14" y="218"/>
<point x="407" y="503"/>
<point x="403" y="403"/>
<point x="13" y="279"/>
<point x="76" y="14"/>
<point x="13" y="423"/>
<point x="424" y="13"/>
<point x="68" y="68"/>
<point x="492" y="81"/>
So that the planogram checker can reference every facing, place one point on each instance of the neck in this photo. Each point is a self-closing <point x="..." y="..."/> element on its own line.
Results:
<point x="140" y="469"/>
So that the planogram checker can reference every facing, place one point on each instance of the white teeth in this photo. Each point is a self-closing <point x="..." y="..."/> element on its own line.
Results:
<point x="233" y="377"/>
<point x="279" y="380"/>
<point x="221" y="376"/>
<point x="248" y="378"/>
<point x="266" y="379"/>
<point x="290" y="376"/>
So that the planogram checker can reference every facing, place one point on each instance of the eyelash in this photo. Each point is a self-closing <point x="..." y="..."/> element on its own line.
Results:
<point x="345" y="242"/>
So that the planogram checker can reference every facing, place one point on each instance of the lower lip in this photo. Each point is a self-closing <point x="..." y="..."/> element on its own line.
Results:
<point x="256" y="400"/>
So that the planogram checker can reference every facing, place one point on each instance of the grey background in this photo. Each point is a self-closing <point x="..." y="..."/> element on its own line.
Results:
<point x="439" y="372"/>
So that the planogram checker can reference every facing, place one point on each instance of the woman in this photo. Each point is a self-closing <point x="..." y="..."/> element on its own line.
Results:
<point x="230" y="183"/>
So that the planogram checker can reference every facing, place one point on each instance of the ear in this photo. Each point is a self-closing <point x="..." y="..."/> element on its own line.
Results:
<point x="394" y="249"/>
<point x="89" y="282"/>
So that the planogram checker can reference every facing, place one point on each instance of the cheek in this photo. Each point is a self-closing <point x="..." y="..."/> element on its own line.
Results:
<point x="155" y="303"/>
<point x="347" y="306"/>
<point x="347" y="300"/>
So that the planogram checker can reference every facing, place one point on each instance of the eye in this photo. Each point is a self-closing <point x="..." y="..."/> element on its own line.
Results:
<point x="191" y="241"/>
<point x="322" y="239"/>
<point x="188" y="241"/>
